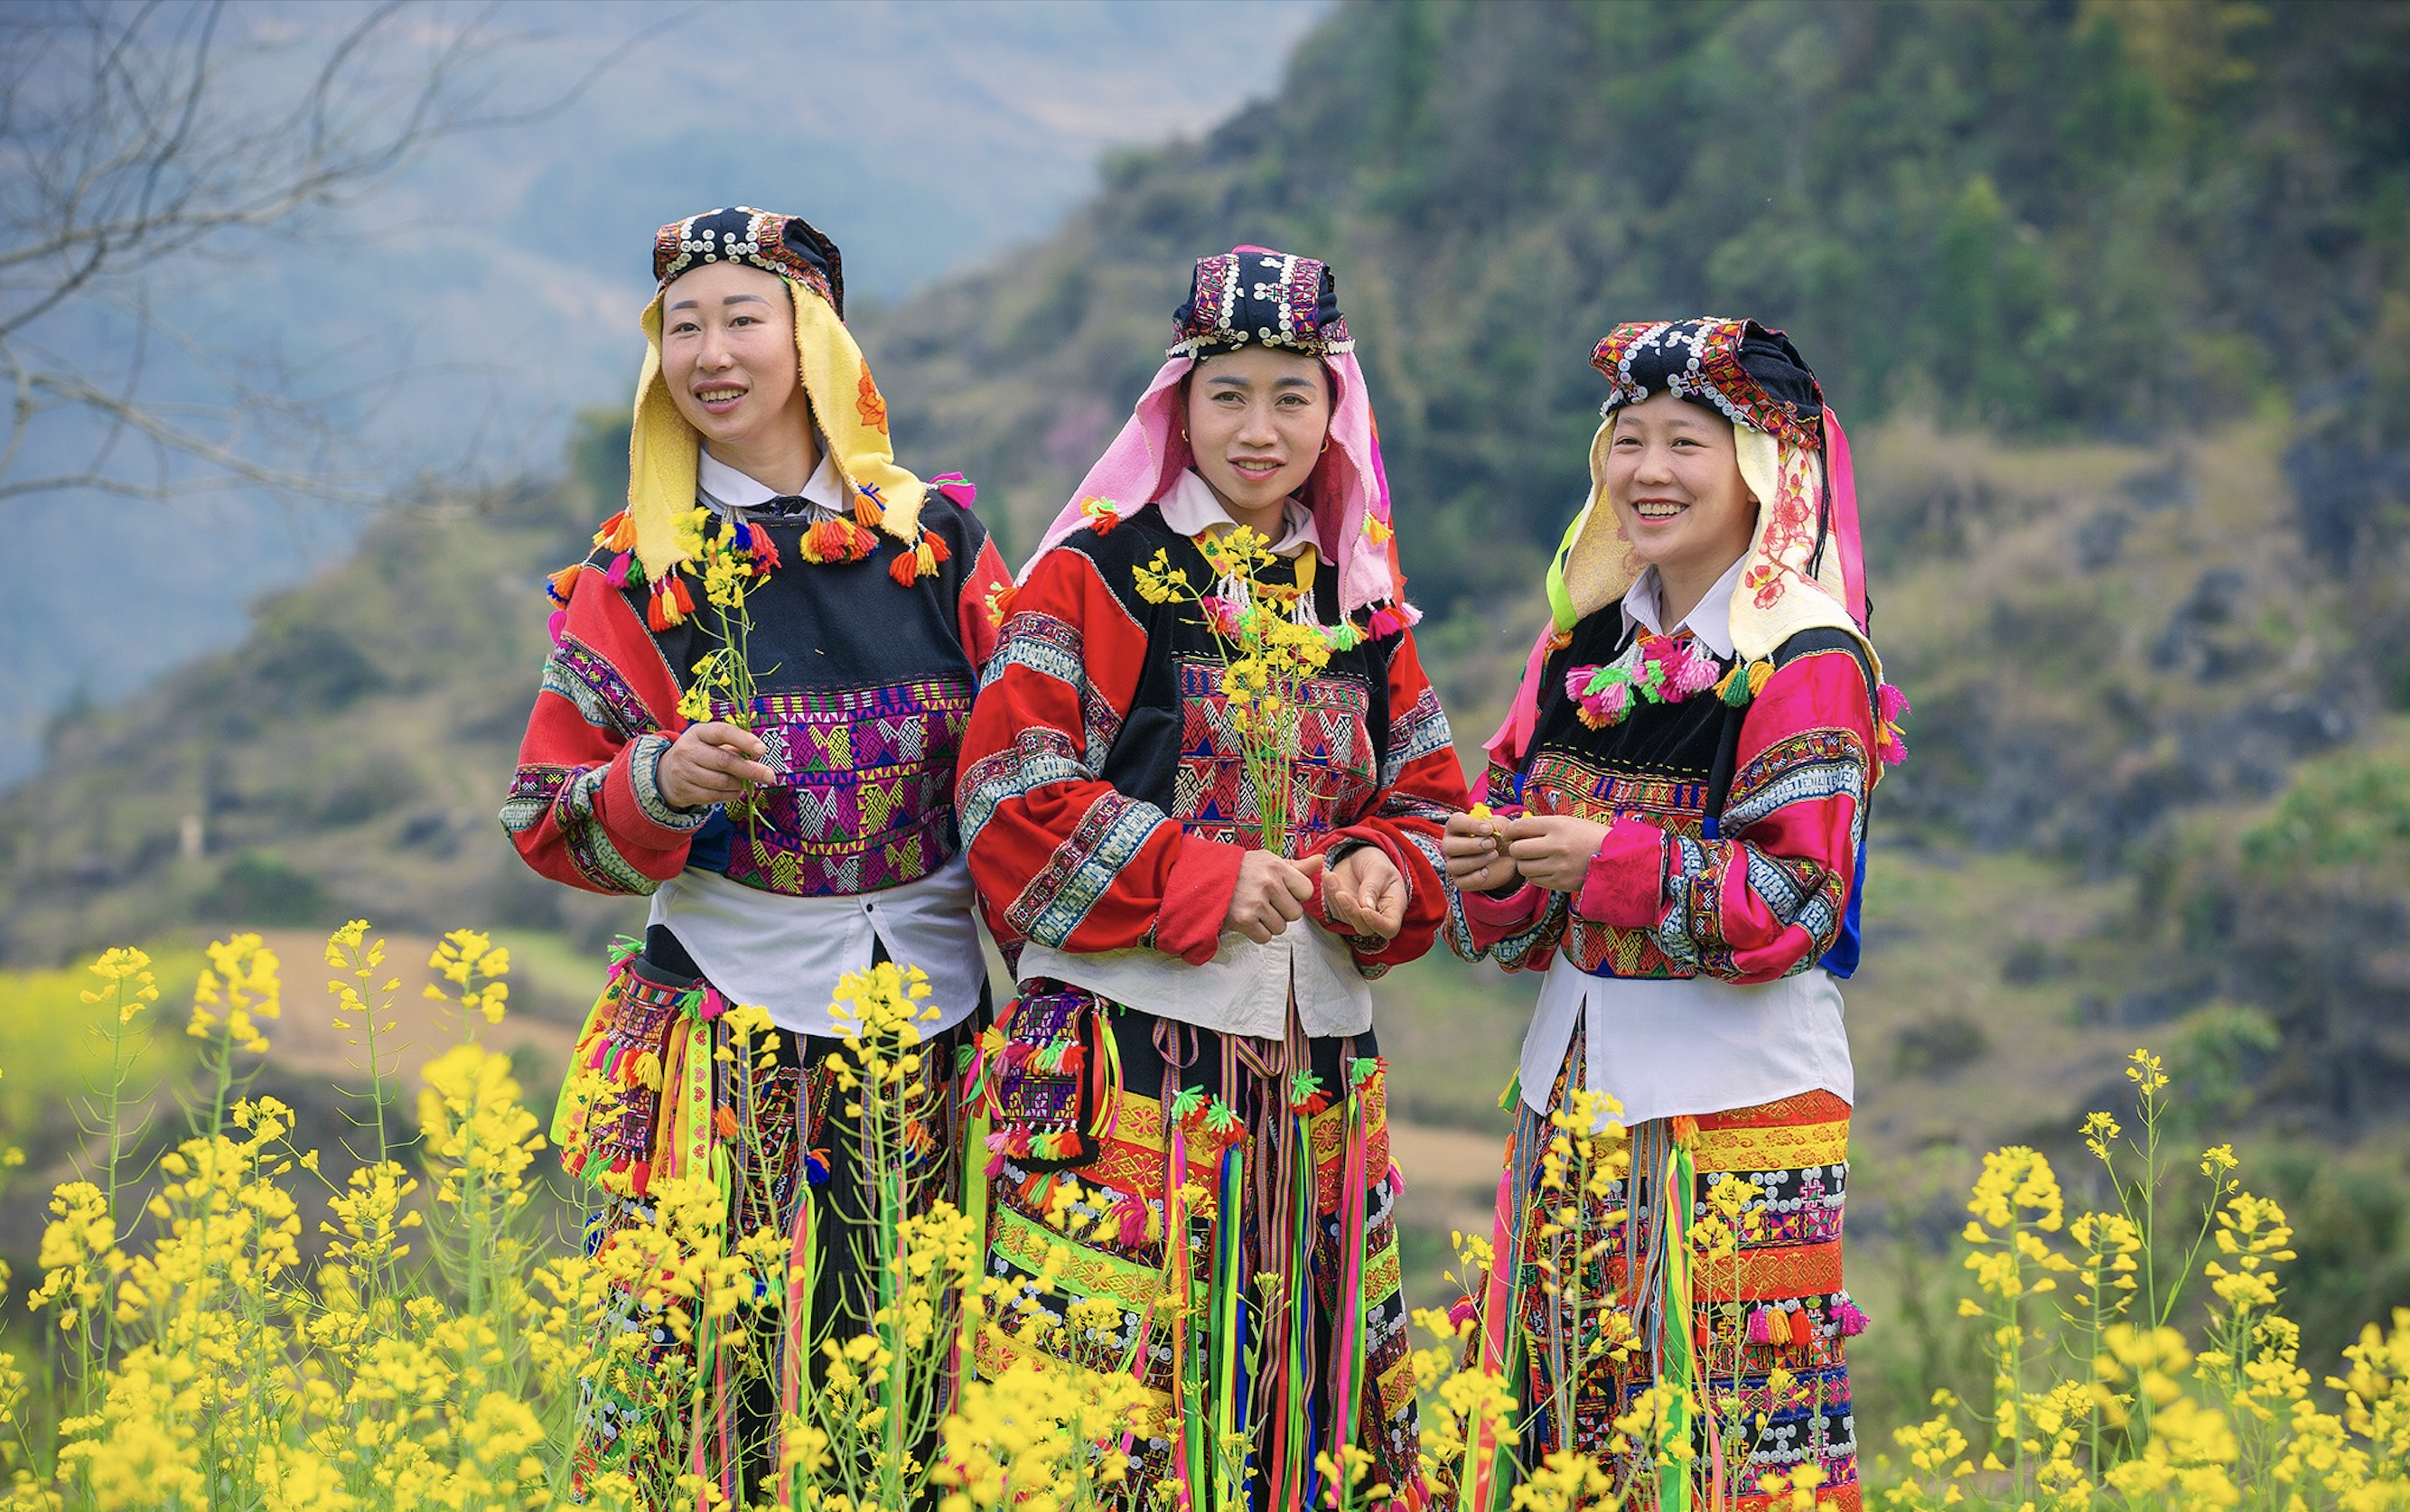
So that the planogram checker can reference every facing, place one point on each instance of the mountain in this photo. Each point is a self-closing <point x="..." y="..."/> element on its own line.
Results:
<point x="491" y="289"/>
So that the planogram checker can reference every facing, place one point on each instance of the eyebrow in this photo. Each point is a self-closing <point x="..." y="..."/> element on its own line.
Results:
<point x="734" y="299"/>
<point x="1234" y="380"/>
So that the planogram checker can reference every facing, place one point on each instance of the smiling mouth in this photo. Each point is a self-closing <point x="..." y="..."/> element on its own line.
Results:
<point x="1256" y="467"/>
<point x="718" y="398"/>
<point x="1657" y="509"/>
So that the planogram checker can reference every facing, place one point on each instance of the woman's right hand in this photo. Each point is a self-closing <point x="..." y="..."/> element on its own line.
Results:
<point x="1272" y="894"/>
<point x="712" y="762"/>
<point x="1477" y="860"/>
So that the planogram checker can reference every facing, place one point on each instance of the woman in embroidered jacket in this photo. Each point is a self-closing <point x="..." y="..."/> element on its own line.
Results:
<point x="1672" y="830"/>
<point x="759" y="680"/>
<point x="1192" y="1055"/>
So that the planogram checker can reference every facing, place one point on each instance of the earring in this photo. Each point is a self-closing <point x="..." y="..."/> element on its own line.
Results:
<point x="1326" y="446"/>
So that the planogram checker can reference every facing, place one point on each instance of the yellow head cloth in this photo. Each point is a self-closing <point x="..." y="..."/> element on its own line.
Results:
<point x="1776" y="597"/>
<point x="662" y="449"/>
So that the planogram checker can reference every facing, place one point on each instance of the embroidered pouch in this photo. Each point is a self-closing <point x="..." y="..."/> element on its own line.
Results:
<point x="1046" y="1079"/>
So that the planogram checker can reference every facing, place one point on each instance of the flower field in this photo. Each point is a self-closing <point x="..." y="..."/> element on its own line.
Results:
<point x="433" y="1343"/>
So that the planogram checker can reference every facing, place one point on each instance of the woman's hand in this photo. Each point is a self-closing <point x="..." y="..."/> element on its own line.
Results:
<point x="1554" y="850"/>
<point x="1365" y="893"/>
<point x="1476" y="855"/>
<point x="1270" y="895"/>
<point x="712" y="762"/>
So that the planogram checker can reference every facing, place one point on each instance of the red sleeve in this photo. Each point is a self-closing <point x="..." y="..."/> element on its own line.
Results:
<point x="584" y="806"/>
<point x="1060" y="855"/>
<point x="979" y="613"/>
<point x="1421" y="784"/>
<point x="1771" y="892"/>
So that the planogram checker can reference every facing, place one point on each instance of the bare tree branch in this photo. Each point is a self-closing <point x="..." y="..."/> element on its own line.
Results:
<point x="131" y="142"/>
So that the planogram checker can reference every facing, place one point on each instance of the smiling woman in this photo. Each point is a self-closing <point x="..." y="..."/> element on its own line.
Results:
<point x="1680" y="802"/>
<point x="759" y="680"/>
<point x="728" y="357"/>
<point x="1258" y="421"/>
<point x="1192" y="1063"/>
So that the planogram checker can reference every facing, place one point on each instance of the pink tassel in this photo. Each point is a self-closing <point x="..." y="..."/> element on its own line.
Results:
<point x="556" y="624"/>
<point x="617" y="573"/>
<point x="1385" y="622"/>
<point x="956" y="488"/>
<point x="1759" y="1328"/>
<point x="713" y="1004"/>
<point x="1462" y="1313"/>
<point x="1890" y="743"/>
<point x="1397" y="1181"/>
<point x="1853" y="1321"/>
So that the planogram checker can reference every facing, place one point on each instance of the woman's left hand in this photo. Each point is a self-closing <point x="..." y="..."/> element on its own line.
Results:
<point x="1554" y="850"/>
<point x="1364" y="894"/>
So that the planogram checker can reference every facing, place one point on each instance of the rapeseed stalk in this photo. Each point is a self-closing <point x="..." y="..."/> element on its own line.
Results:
<point x="1272" y="651"/>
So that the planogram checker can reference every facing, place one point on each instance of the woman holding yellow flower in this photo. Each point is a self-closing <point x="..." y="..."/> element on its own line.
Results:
<point x="1203" y="792"/>
<point x="759" y="683"/>
<point x="1674" y="831"/>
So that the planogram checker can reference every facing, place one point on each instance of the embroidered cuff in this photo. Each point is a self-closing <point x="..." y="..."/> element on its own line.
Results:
<point x="1503" y="913"/>
<point x="643" y="761"/>
<point x="1625" y="884"/>
<point x="1197" y="899"/>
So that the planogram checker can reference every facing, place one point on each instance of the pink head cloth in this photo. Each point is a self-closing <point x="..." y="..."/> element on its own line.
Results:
<point x="1348" y="491"/>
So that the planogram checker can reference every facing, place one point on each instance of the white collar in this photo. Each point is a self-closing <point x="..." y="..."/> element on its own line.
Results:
<point x="724" y="485"/>
<point x="1709" y="621"/>
<point x="1192" y="507"/>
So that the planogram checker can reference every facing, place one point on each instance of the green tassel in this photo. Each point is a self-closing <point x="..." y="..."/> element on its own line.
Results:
<point x="1734" y="689"/>
<point x="1514" y="1090"/>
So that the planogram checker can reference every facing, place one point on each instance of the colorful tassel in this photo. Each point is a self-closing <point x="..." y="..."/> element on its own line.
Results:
<point x="1306" y="1096"/>
<point x="869" y="510"/>
<point x="1890" y="744"/>
<point x="956" y="488"/>
<point x="619" y="533"/>
<point x="816" y="1167"/>
<point x="557" y="587"/>
<point x="1383" y="623"/>
<point x="556" y="625"/>
<point x="934" y="545"/>
<point x="999" y="603"/>
<point x="905" y="568"/>
<point x="724" y="1120"/>
<point x="1102" y="515"/>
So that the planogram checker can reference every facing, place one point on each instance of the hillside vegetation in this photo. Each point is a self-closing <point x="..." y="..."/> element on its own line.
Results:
<point x="2116" y="300"/>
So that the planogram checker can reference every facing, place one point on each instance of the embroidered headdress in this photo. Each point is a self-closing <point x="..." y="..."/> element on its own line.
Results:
<point x="1253" y="296"/>
<point x="1267" y="298"/>
<point x="846" y="403"/>
<point x="1806" y="567"/>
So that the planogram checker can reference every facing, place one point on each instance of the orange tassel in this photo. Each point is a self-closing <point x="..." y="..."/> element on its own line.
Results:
<point x="560" y="582"/>
<point x="724" y="1120"/>
<point x="868" y="512"/>
<point x="999" y="604"/>
<point x="619" y="533"/>
<point x="934" y="545"/>
<point x="905" y="568"/>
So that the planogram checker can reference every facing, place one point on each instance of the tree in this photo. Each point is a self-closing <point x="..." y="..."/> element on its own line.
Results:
<point x="135" y="137"/>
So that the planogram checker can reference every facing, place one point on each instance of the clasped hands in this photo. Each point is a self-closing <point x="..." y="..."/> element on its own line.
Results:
<point x="1489" y="852"/>
<point x="1364" y="893"/>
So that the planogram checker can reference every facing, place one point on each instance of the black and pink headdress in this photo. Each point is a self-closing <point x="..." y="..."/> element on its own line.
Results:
<point x="1255" y="297"/>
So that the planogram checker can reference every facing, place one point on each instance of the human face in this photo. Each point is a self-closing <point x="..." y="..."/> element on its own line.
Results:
<point x="1257" y="421"/>
<point x="728" y="354"/>
<point x="1674" y="479"/>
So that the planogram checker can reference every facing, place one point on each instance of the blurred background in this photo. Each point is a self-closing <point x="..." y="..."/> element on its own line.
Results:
<point x="321" y="323"/>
